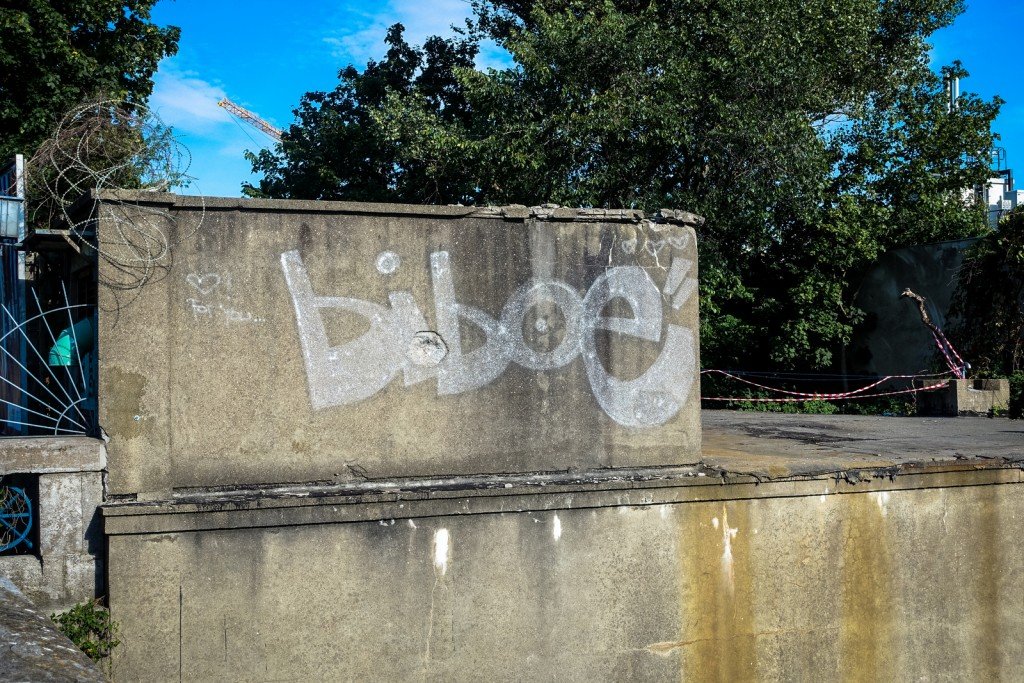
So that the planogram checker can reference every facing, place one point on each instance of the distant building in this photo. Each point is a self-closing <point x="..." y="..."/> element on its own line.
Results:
<point x="998" y="194"/>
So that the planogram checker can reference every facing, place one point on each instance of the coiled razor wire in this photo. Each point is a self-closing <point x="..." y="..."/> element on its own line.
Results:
<point x="106" y="145"/>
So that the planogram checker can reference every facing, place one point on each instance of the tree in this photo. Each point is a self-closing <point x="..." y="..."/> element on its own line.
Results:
<point x="336" y="150"/>
<point x="54" y="55"/>
<point x="988" y="306"/>
<point x="810" y="133"/>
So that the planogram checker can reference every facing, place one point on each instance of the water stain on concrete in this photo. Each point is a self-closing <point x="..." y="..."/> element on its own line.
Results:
<point x="719" y="637"/>
<point x="866" y="609"/>
<point x="124" y="392"/>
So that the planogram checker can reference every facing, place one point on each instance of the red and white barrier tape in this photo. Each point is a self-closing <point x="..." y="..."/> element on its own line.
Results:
<point x="816" y="395"/>
<point x="930" y="387"/>
<point x="947" y="348"/>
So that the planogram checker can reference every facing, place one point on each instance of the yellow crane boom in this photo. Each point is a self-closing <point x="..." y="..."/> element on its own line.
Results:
<point x="250" y="118"/>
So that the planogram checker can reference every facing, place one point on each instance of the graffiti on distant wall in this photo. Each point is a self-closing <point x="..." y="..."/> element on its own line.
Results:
<point x="207" y="287"/>
<point x="399" y="340"/>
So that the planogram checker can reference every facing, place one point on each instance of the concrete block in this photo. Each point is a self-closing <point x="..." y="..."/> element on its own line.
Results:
<point x="54" y="580"/>
<point x="70" y="541"/>
<point x="52" y="454"/>
<point x="60" y="514"/>
<point x="80" y="573"/>
<point x="965" y="397"/>
<point x="92" y="499"/>
<point x="305" y="341"/>
<point x="25" y="571"/>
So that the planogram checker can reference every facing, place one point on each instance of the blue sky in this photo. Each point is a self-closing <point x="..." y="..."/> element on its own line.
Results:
<point x="265" y="55"/>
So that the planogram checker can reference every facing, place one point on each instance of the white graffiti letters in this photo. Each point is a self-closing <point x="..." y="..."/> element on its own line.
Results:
<point x="365" y="365"/>
<point x="399" y="340"/>
<point x="463" y="372"/>
<point x="658" y="394"/>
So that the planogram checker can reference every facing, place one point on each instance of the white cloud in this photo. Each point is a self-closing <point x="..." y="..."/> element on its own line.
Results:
<point x="186" y="102"/>
<point x="215" y="141"/>
<point x="361" y="37"/>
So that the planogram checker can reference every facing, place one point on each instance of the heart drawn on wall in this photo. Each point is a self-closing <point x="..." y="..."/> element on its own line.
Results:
<point x="204" y="284"/>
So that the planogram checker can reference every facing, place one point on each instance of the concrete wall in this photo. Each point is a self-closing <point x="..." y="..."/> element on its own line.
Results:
<point x="917" y="578"/>
<point x="67" y="565"/>
<point x="279" y="341"/>
<point x="971" y="397"/>
<point x="892" y="339"/>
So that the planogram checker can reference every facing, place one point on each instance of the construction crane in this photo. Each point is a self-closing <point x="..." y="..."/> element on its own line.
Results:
<point x="250" y="118"/>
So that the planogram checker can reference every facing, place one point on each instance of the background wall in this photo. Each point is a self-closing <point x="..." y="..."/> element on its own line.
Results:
<point x="892" y="339"/>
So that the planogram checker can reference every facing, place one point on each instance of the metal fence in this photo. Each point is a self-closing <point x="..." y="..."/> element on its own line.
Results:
<point x="47" y="373"/>
<point x="12" y="201"/>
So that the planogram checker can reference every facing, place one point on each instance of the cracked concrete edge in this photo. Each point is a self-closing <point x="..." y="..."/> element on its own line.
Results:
<point x="220" y="511"/>
<point x="551" y="212"/>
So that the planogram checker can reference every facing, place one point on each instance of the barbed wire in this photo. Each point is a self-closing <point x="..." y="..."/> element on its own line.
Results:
<point x="101" y="146"/>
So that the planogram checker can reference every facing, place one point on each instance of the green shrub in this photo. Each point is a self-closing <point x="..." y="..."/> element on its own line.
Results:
<point x="883" y="405"/>
<point x="1016" y="407"/>
<point x="813" y="407"/>
<point x="90" y="628"/>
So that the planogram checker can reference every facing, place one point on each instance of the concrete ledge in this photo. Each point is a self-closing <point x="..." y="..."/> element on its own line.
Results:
<point x="31" y="647"/>
<point x="744" y="456"/>
<point x="52" y="454"/>
<point x="511" y="212"/>
<point x="312" y="505"/>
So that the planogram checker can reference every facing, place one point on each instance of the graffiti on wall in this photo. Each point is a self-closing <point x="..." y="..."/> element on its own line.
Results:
<point x="206" y="288"/>
<point x="399" y="340"/>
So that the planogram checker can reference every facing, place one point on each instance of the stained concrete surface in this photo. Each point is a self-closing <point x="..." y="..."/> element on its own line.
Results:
<point x="795" y="548"/>
<point x="780" y="445"/>
<point x="737" y="446"/>
<point x="849" y="584"/>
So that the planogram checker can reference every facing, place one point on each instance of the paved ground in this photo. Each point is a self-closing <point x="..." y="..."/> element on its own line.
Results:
<point x="778" y="445"/>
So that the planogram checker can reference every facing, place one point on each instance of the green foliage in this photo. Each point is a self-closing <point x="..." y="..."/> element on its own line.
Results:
<point x="54" y="55"/>
<point x="884" y="405"/>
<point x="1016" y="408"/>
<point x="88" y="625"/>
<point x="811" y="134"/>
<point x="812" y="407"/>
<point x="337" y="150"/>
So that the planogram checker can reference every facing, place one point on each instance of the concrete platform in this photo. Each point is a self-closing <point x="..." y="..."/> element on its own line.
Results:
<point x="772" y="445"/>
<point x="803" y="454"/>
<point x="796" y="548"/>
